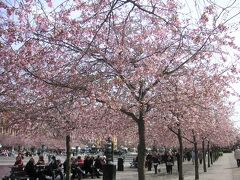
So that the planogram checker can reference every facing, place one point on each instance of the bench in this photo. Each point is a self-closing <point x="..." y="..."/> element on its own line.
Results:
<point x="43" y="171"/>
<point x="83" y="174"/>
<point x="17" y="174"/>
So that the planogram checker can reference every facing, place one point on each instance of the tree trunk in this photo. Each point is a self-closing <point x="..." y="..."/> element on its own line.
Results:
<point x="204" y="156"/>
<point x="180" y="160"/>
<point x="68" y="165"/>
<point x="211" y="155"/>
<point x="196" y="162"/>
<point x="141" y="149"/>
<point x="196" y="157"/>
<point x="208" y="149"/>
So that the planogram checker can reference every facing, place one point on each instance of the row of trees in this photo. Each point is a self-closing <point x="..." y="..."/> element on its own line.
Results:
<point x="141" y="70"/>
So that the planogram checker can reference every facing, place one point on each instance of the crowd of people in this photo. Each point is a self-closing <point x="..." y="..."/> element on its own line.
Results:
<point x="153" y="159"/>
<point x="6" y="153"/>
<point x="93" y="166"/>
<point x="40" y="169"/>
<point x="88" y="165"/>
<point x="80" y="167"/>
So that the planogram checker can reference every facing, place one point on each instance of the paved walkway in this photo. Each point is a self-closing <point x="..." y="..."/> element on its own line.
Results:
<point x="224" y="168"/>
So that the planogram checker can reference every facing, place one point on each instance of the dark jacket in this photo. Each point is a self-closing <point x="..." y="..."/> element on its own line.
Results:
<point x="30" y="169"/>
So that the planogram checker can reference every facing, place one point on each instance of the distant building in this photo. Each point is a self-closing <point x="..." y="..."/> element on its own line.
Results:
<point x="4" y="127"/>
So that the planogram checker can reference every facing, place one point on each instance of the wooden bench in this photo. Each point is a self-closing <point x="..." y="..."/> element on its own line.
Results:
<point x="84" y="175"/>
<point x="45" y="171"/>
<point x="17" y="174"/>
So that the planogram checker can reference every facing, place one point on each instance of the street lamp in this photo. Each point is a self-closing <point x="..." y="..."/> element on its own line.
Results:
<point x="109" y="151"/>
<point x="109" y="169"/>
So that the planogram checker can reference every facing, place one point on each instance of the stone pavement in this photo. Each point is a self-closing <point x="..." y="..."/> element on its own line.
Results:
<point x="224" y="168"/>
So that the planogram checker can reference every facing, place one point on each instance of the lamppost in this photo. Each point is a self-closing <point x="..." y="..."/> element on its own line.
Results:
<point x="109" y="169"/>
<point x="109" y="151"/>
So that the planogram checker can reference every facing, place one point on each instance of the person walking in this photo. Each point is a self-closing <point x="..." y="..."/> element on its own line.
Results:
<point x="193" y="157"/>
<point x="169" y="162"/>
<point x="178" y="159"/>
<point x="200" y="156"/>
<point x="149" y="161"/>
<point x="237" y="156"/>
<point x="156" y="162"/>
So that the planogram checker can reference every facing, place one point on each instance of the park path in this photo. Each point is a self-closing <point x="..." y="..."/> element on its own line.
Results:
<point x="224" y="168"/>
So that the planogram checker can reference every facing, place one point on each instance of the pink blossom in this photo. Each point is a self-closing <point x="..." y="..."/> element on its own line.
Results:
<point x="204" y="18"/>
<point x="49" y="2"/>
<point x="10" y="11"/>
<point x="2" y="5"/>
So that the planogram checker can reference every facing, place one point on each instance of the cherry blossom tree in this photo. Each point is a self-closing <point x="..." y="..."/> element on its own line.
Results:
<point x="193" y="98"/>
<point x="122" y="53"/>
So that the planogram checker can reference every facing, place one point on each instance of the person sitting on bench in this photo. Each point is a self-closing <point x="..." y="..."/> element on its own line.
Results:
<point x="30" y="170"/>
<point x="58" y="170"/>
<point x="18" y="165"/>
<point x="51" y="167"/>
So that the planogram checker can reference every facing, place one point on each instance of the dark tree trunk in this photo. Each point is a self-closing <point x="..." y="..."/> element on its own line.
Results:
<point x="196" y="157"/>
<point x="211" y="155"/>
<point x="141" y="149"/>
<point x="141" y="135"/>
<point x="208" y="149"/>
<point x="180" y="160"/>
<point x="204" y="156"/>
<point x="68" y="165"/>
<point x="196" y="162"/>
